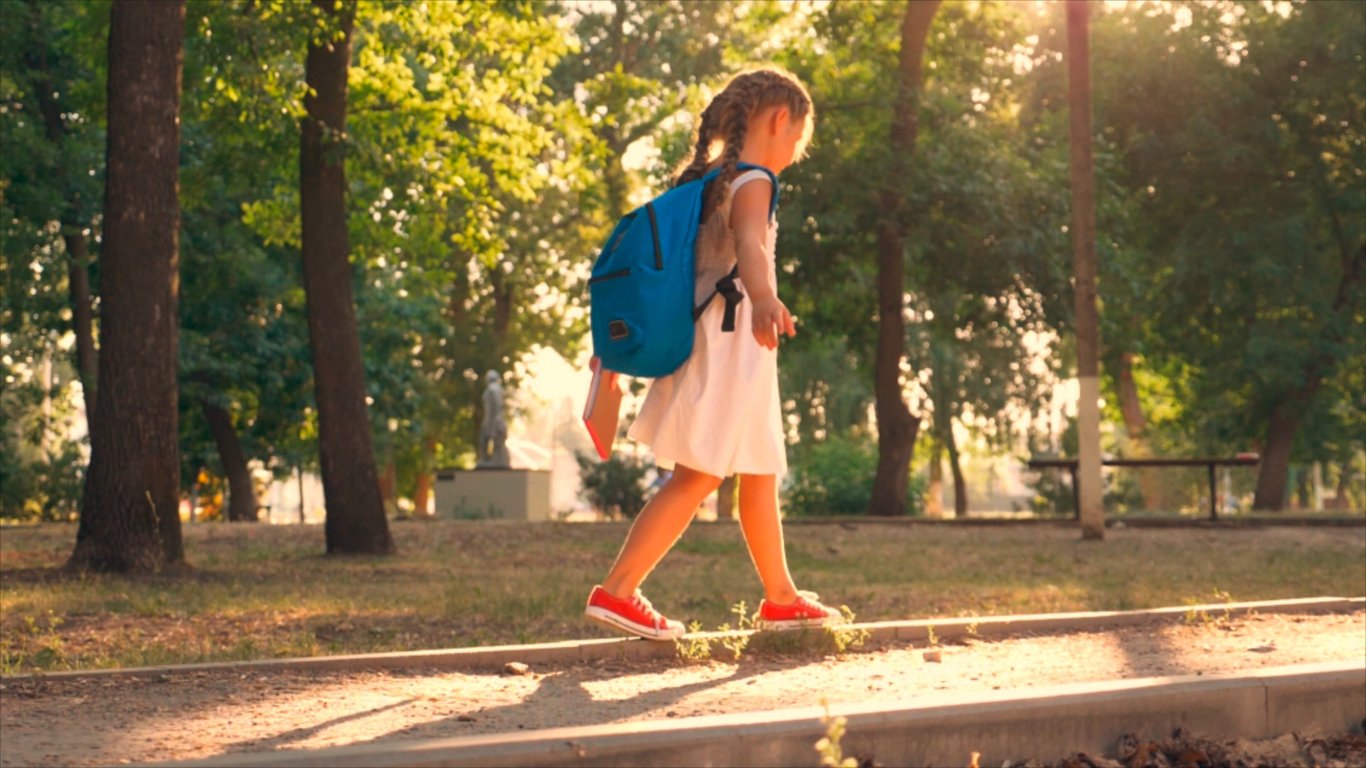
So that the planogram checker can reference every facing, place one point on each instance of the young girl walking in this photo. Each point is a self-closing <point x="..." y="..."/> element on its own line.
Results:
<point x="719" y="414"/>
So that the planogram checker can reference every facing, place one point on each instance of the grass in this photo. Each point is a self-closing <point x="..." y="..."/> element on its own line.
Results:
<point x="260" y="591"/>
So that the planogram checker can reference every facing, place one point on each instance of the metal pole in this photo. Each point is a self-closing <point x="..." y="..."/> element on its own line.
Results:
<point x="1076" y="494"/>
<point x="1213" y="503"/>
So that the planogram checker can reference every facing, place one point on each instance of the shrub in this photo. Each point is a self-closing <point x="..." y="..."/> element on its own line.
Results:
<point x="615" y="486"/>
<point x="34" y="486"/>
<point x="835" y="477"/>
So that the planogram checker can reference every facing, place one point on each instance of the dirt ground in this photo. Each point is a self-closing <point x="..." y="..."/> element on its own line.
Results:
<point x="184" y="716"/>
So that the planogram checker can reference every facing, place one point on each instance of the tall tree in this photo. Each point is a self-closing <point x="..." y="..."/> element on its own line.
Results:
<point x="1240" y="151"/>
<point x="245" y="382"/>
<point x="897" y="428"/>
<point x="355" y="512"/>
<point x="131" y="509"/>
<point x="51" y="170"/>
<point x="1087" y="324"/>
<point x="982" y="284"/>
<point x="51" y="70"/>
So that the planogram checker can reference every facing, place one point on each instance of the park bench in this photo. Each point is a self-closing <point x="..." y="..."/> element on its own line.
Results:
<point x="1240" y="460"/>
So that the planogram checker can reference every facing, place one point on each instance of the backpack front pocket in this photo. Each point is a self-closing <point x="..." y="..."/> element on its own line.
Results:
<point x="613" y="275"/>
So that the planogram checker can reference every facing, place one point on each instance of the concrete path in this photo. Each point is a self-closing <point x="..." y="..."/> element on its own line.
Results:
<point x="939" y="731"/>
<point x="1008" y="687"/>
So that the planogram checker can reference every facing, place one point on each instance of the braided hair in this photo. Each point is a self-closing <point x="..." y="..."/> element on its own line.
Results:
<point x="726" y="120"/>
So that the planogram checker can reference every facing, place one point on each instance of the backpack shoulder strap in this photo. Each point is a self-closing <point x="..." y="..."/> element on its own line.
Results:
<point x="725" y="287"/>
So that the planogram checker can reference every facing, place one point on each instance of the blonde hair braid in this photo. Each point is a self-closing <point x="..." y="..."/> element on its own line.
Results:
<point x="701" y="154"/>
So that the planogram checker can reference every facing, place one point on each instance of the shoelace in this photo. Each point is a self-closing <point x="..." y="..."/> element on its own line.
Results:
<point x="812" y="601"/>
<point x="647" y="608"/>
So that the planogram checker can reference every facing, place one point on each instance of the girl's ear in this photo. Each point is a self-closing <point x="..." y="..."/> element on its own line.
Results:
<point x="778" y="119"/>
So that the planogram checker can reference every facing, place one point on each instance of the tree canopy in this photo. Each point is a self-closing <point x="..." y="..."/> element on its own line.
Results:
<point x="488" y="148"/>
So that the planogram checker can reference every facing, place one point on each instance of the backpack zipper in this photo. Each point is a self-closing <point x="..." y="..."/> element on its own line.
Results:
<point x="654" y="230"/>
<point x="610" y="275"/>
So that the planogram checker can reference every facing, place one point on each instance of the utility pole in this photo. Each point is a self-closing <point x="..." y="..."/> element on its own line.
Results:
<point x="1091" y="512"/>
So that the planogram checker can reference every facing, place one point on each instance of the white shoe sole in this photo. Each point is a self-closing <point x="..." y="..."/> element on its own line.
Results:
<point x="612" y="620"/>
<point x="798" y="623"/>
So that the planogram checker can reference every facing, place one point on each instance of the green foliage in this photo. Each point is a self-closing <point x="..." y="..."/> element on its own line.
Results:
<point x="1196" y="615"/>
<point x="835" y="477"/>
<point x="836" y="639"/>
<point x="1236" y="217"/>
<point x="640" y="63"/>
<point x="41" y="474"/>
<point x="982" y="277"/>
<point x="616" y="486"/>
<point x="828" y="746"/>
<point x="832" y="639"/>
<point x="38" y="644"/>
<point x="484" y="161"/>
<point x="690" y="647"/>
<point x="735" y="640"/>
<point x="51" y="106"/>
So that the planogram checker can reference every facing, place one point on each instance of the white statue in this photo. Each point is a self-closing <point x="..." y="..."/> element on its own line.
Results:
<point x="493" y="431"/>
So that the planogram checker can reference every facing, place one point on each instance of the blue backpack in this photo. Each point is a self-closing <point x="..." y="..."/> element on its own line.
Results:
<point x="642" y="287"/>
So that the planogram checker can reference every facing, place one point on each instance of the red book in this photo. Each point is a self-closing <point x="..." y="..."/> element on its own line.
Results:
<point x="603" y="409"/>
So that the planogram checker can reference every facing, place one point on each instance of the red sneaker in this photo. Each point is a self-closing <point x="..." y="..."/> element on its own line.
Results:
<point x="634" y="615"/>
<point x="805" y="611"/>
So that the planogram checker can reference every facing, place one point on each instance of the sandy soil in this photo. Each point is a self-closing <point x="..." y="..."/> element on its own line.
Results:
<point x="184" y="716"/>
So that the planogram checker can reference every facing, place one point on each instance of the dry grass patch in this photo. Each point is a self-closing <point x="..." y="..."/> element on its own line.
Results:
<point x="259" y="591"/>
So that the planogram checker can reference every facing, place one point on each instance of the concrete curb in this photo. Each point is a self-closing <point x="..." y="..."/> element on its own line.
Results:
<point x="1112" y="522"/>
<point x="577" y="651"/>
<point x="1047" y="723"/>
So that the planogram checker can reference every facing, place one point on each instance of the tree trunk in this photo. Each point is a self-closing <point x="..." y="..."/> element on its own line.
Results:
<point x="934" y="495"/>
<point x="897" y="428"/>
<point x="303" y="516"/>
<point x="1136" y="425"/>
<point x="1285" y="417"/>
<point x="615" y="180"/>
<point x="1273" y="472"/>
<point x="131" y="506"/>
<point x="424" y="478"/>
<point x="422" y="494"/>
<point x="1087" y="324"/>
<point x="1340" y="501"/>
<point x="502" y="309"/>
<point x="82" y="320"/>
<point x="725" y="499"/>
<point x="355" y="522"/>
<point x="242" y="503"/>
<point x="960" y="488"/>
<point x="388" y="488"/>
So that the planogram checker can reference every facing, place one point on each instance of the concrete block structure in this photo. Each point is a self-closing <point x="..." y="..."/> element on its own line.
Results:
<point x="498" y="494"/>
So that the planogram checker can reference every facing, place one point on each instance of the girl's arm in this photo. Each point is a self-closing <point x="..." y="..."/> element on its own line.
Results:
<point x="749" y="223"/>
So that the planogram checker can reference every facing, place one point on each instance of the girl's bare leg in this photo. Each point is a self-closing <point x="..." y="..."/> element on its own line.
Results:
<point x="764" y="536"/>
<point x="656" y="529"/>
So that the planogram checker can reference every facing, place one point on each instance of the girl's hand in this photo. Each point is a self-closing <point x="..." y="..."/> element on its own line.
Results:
<point x="771" y="320"/>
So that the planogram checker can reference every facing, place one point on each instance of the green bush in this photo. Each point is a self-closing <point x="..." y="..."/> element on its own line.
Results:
<point x="615" y="486"/>
<point x="38" y="485"/>
<point x="835" y="477"/>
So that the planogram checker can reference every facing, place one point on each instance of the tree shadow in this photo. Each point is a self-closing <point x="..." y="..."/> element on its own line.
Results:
<point x="563" y="699"/>
<point x="300" y="734"/>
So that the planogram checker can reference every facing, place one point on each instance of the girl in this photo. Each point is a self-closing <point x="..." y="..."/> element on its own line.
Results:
<point x="719" y="413"/>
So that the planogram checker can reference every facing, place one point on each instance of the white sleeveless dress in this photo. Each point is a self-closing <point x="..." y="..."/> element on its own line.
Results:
<point x="720" y="412"/>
